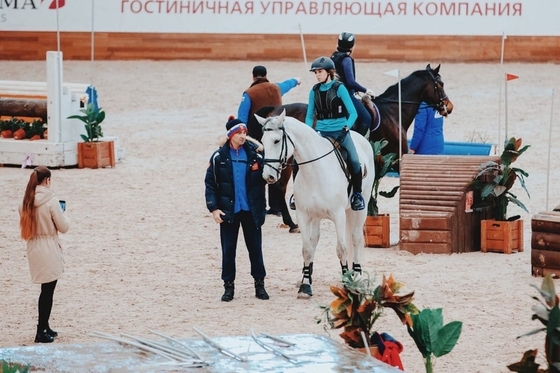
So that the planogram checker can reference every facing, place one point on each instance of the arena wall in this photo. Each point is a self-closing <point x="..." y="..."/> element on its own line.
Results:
<point x="33" y="45"/>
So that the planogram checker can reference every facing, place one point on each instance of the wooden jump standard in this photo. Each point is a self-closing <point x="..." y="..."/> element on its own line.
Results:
<point x="432" y="204"/>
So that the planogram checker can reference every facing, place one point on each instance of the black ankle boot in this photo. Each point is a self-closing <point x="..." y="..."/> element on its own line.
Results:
<point x="229" y="290"/>
<point x="260" y="292"/>
<point x="52" y="333"/>
<point x="42" y="336"/>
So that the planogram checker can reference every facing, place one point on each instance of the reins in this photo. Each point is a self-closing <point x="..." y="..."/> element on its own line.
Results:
<point x="283" y="159"/>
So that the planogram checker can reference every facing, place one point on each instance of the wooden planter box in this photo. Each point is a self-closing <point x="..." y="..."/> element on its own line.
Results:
<point x="377" y="231"/>
<point x="501" y="236"/>
<point x="96" y="154"/>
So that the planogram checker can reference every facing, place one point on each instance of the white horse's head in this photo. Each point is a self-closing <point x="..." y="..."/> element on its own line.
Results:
<point x="278" y="146"/>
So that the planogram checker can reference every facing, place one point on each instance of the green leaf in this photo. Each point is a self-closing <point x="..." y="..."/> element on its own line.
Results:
<point x="447" y="338"/>
<point x="391" y="193"/>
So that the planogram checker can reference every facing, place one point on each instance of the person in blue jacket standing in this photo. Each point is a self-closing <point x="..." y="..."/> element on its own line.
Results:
<point x="428" y="131"/>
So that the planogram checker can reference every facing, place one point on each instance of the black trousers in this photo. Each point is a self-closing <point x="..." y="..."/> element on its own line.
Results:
<point x="229" y="233"/>
<point x="45" y="304"/>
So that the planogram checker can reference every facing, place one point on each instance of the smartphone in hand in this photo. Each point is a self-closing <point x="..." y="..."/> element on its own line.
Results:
<point x="63" y="205"/>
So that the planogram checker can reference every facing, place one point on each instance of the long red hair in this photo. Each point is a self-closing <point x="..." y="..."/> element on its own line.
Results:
<point x="27" y="221"/>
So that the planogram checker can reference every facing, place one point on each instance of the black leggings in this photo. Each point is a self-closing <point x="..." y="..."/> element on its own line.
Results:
<point x="45" y="303"/>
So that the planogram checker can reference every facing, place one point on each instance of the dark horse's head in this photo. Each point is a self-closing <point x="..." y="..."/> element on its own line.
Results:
<point x="436" y="95"/>
<point x="420" y="86"/>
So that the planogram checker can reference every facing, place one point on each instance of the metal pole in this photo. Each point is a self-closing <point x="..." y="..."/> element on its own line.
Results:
<point x="92" y="40"/>
<point x="506" y="108"/>
<point x="57" y="29"/>
<point x="498" y="147"/>
<point x="400" y="115"/>
<point x="306" y="67"/>
<point x="549" y="145"/>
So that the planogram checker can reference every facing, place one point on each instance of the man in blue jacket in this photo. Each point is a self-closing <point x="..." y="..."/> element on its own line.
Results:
<point x="235" y="196"/>
<point x="428" y="131"/>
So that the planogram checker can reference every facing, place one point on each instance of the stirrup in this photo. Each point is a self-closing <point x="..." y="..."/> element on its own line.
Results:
<point x="292" y="202"/>
<point x="357" y="202"/>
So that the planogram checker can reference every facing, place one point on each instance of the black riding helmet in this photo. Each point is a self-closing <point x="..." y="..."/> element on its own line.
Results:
<point x="322" y="63"/>
<point x="346" y="41"/>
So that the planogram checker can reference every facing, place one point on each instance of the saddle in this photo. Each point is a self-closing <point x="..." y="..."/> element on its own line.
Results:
<point x="373" y="111"/>
<point x="342" y="156"/>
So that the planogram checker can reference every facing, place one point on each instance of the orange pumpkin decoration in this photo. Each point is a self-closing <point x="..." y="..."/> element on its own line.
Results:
<point x="19" y="134"/>
<point x="7" y="134"/>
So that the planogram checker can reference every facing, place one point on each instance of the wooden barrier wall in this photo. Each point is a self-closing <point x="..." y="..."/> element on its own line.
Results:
<point x="432" y="202"/>
<point x="545" y="244"/>
<point x="409" y="48"/>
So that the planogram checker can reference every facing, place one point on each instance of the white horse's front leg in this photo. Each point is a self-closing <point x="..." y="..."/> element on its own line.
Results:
<point x="309" y="234"/>
<point x="355" y="235"/>
<point x="341" y="248"/>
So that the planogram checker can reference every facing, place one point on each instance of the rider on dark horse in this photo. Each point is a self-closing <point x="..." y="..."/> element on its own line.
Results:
<point x="346" y="71"/>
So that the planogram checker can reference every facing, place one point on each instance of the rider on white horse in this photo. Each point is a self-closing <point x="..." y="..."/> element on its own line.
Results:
<point x="330" y="103"/>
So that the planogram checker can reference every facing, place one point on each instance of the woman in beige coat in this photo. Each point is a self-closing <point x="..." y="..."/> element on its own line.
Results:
<point x="41" y="218"/>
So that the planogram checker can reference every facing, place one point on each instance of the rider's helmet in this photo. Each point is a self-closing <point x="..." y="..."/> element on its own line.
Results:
<point x="346" y="41"/>
<point x="322" y="63"/>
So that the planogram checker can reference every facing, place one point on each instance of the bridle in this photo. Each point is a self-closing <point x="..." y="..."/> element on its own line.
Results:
<point x="439" y="92"/>
<point x="283" y="158"/>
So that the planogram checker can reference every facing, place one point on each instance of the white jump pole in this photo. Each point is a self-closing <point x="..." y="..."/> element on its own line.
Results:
<point x="549" y="146"/>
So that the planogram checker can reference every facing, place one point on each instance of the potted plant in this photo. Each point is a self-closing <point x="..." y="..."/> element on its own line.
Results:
<point x="494" y="183"/>
<point x="548" y="313"/>
<point x="432" y="338"/>
<point x="360" y="302"/>
<point x="376" y="226"/>
<point x="93" y="153"/>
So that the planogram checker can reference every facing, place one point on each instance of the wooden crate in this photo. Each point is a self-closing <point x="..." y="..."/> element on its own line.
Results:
<point x="434" y="217"/>
<point x="501" y="236"/>
<point x="545" y="244"/>
<point x="377" y="231"/>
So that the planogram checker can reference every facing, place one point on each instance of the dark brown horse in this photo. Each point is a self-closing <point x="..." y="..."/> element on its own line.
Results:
<point x="420" y="86"/>
<point x="278" y="191"/>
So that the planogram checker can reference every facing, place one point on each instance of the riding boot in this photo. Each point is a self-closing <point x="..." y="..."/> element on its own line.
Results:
<point x="229" y="290"/>
<point x="357" y="200"/>
<point x="42" y="336"/>
<point x="52" y="333"/>
<point x="260" y="292"/>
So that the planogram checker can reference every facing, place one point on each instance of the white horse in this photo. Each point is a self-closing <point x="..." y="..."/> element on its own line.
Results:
<point x="320" y="188"/>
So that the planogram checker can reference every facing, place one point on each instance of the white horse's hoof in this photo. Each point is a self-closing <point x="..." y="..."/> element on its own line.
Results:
<point x="304" y="291"/>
